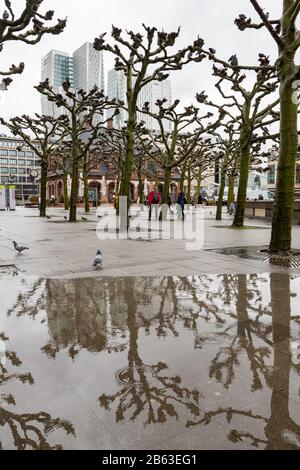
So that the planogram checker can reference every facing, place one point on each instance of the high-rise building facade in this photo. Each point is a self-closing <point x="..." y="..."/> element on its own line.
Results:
<point x="116" y="88"/>
<point x="150" y="93"/>
<point x="88" y="68"/>
<point x="17" y="164"/>
<point x="84" y="69"/>
<point x="57" y="66"/>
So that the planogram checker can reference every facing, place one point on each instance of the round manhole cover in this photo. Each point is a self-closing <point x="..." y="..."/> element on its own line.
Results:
<point x="132" y="375"/>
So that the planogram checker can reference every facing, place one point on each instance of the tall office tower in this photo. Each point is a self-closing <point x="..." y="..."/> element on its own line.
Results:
<point x="88" y="68"/>
<point x="116" y="88"/>
<point x="57" y="66"/>
<point x="151" y="93"/>
<point x="84" y="69"/>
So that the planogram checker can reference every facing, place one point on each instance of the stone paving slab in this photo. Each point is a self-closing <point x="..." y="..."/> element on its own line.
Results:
<point x="58" y="248"/>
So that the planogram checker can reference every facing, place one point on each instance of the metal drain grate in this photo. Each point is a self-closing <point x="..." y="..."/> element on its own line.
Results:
<point x="262" y="254"/>
<point x="285" y="261"/>
<point x="10" y="270"/>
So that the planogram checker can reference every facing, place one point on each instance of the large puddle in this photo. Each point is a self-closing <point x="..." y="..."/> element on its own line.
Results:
<point x="208" y="362"/>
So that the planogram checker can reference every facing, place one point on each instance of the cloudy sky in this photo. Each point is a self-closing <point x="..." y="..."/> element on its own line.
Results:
<point x="213" y="20"/>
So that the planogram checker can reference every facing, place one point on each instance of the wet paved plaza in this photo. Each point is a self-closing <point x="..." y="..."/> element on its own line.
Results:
<point x="195" y="362"/>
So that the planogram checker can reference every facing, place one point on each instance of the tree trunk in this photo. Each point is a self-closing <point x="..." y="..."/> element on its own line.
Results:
<point x="182" y="179"/>
<point x="221" y="193"/>
<point x="85" y="186"/>
<point x="86" y="194"/>
<point x="141" y="191"/>
<point x="166" y="193"/>
<point x="75" y="169"/>
<point x="189" y="187"/>
<point x="244" y="173"/>
<point x="167" y="183"/>
<point x="43" y="195"/>
<point x="230" y="197"/>
<point x="281" y="238"/>
<point x="66" y="196"/>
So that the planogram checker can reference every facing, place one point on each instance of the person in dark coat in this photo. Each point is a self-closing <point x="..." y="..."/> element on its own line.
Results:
<point x="181" y="201"/>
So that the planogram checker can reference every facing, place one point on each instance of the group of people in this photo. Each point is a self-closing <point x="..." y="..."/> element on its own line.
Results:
<point x="154" y="200"/>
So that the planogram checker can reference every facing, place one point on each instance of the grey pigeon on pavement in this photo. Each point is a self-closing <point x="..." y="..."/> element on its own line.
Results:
<point x="19" y="248"/>
<point x="98" y="261"/>
<point x="65" y="217"/>
<point x="84" y="219"/>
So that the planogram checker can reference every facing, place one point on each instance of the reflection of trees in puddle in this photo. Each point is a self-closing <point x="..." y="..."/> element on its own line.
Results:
<point x="280" y="430"/>
<point x="154" y="396"/>
<point x="27" y="430"/>
<point x="31" y="298"/>
<point x="246" y="315"/>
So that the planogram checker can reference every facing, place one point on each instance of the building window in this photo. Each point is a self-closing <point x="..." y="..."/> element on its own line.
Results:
<point x="3" y="152"/>
<point x="4" y="179"/>
<point x="298" y="174"/>
<point x="21" y="154"/>
<point x="13" y="170"/>
<point x="271" y="174"/>
<point x="29" y="154"/>
<point x="22" y="171"/>
<point x="22" y="179"/>
<point x="29" y="162"/>
<point x="12" y="161"/>
<point x="21" y="162"/>
<point x="12" y="152"/>
<point x="4" y="169"/>
<point x="4" y="160"/>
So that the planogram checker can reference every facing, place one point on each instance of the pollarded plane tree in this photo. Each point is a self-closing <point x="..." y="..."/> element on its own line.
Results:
<point x="27" y="26"/>
<point x="60" y="164"/>
<point x="287" y="38"/>
<point x="199" y="163"/>
<point x="111" y="144"/>
<point x="25" y="431"/>
<point x="228" y="147"/>
<point x="252" y="108"/>
<point x="143" y="59"/>
<point x="85" y="112"/>
<point x="43" y="135"/>
<point x="170" y="154"/>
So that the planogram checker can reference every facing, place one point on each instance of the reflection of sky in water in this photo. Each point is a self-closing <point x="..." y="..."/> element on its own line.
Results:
<point x="186" y="349"/>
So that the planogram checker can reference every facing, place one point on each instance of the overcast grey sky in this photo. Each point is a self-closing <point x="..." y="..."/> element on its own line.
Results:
<point x="211" y="19"/>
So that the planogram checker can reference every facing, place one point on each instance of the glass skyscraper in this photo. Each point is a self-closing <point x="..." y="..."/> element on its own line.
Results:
<point x="83" y="69"/>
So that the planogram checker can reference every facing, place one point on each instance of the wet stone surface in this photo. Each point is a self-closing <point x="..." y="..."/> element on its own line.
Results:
<point x="291" y="260"/>
<point x="202" y="362"/>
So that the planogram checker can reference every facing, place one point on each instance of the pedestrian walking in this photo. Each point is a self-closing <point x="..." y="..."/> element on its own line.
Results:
<point x="181" y="201"/>
<point x="232" y="208"/>
<point x="154" y="199"/>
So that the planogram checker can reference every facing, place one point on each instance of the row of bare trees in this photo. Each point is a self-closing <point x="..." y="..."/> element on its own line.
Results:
<point x="245" y="118"/>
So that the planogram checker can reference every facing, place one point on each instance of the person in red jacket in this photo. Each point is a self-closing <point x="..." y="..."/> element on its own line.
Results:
<point x="154" y="199"/>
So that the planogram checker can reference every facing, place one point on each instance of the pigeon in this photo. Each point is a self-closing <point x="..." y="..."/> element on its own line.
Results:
<point x="5" y="15"/>
<point x="65" y="217"/>
<point x="100" y="216"/>
<point x="84" y="219"/>
<point x="48" y="217"/>
<point x="98" y="259"/>
<point x="19" y="248"/>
